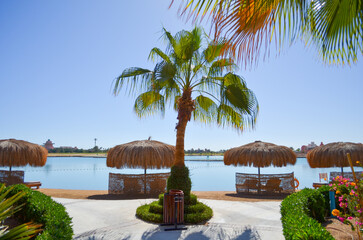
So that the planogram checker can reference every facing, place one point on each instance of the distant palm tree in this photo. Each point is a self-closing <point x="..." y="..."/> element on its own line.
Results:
<point x="199" y="84"/>
<point x="334" y="26"/>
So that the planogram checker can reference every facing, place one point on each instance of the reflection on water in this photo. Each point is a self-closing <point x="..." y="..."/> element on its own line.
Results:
<point x="207" y="173"/>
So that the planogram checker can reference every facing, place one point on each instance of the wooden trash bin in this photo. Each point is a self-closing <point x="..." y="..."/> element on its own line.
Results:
<point x="173" y="204"/>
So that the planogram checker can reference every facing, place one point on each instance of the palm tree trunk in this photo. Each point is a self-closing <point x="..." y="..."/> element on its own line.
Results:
<point x="185" y="109"/>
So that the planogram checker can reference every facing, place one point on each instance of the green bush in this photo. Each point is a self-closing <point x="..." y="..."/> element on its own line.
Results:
<point x="179" y="179"/>
<point x="193" y="214"/>
<point x="40" y="208"/>
<point x="155" y="207"/>
<point x="198" y="213"/>
<point x="143" y="212"/>
<point x="301" y="213"/>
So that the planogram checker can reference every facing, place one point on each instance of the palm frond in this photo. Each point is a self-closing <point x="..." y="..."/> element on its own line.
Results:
<point x="22" y="232"/>
<point x="148" y="103"/>
<point x="214" y="50"/>
<point x="337" y="28"/>
<point x="220" y="66"/>
<point x="157" y="52"/>
<point x="136" y="79"/>
<point x="205" y="109"/>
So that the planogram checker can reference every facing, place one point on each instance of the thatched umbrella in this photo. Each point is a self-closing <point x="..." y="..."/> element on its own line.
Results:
<point x="335" y="155"/>
<point x="260" y="154"/>
<point x="20" y="153"/>
<point x="141" y="154"/>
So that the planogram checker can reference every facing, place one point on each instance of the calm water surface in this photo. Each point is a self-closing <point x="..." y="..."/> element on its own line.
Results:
<point x="208" y="174"/>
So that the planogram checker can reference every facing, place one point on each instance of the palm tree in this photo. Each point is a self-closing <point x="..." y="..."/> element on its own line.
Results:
<point x="198" y="83"/>
<point x="335" y="27"/>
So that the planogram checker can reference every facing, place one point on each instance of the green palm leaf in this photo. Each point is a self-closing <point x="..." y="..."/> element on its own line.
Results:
<point x="148" y="103"/>
<point x="205" y="109"/>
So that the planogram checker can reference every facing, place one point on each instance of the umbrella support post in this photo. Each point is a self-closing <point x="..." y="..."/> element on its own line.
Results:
<point x="259" y="181"/>
<point x="145" y="181"/>
<point x="342" y="172"/>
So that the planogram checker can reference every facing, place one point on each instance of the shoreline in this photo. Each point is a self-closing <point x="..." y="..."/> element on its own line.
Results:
<point x="104" y="155"/>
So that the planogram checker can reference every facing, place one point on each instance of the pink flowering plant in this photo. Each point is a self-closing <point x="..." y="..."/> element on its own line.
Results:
<point x="349" y="193"/>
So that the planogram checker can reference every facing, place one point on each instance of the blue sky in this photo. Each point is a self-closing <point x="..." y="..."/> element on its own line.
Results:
<point x="59" y="59"/>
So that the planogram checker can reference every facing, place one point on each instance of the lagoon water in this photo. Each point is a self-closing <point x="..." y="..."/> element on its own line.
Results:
<point x="208" y="173"/>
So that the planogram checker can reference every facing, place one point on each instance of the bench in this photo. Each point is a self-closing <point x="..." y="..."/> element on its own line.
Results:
<point x="33" y="184"/>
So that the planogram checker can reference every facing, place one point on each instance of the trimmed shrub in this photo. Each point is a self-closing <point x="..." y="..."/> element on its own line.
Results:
<point x="155" y="207"/>
<point x="40" y="208"/>
<point x="143" y="212"/>
<point x="193" y="214"/>
<point x="198" y="213"/>
<point x="301" y="213"/>
<point x="179" y="179"/>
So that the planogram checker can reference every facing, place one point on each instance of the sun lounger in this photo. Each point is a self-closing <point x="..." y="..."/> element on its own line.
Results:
<point x="248" y="185"/>
<point x="33" y="184"/>
<point x="272" y="185"/>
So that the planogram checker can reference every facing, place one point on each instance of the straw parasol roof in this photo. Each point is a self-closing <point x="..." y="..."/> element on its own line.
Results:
<point x="141" y="154"/>
<point x="20" y="153"/>
<point x="335" y="155"/>
<point x="260" y="154"/>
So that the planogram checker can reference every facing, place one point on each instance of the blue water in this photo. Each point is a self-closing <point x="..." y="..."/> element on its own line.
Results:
<point x="208" y="174"/>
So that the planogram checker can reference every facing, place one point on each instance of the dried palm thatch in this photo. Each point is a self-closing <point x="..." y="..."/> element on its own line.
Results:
<point x="20" y="153"/>
<point x="335" y="155"/>
<point x="260" y="154"/>
<point x="141" y="154"/>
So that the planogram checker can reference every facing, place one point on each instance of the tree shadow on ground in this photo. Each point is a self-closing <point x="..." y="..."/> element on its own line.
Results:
<point x="202" y="232"/>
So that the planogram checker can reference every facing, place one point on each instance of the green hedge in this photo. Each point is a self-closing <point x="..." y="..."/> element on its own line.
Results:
<point x="40" y="208"/>
<point x="301" y="213"/>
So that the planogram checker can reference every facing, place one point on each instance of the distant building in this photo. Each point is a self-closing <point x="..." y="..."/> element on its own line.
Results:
<point x="67" y="147"/>
<point x="48" y="145"/>
<point x="310" y="146"/>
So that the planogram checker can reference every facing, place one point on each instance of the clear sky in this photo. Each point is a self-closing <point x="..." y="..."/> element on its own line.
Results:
<point x="58" y="60"/>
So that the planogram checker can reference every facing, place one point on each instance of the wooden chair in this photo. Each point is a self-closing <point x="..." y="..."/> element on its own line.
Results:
<point x="323" y="176"/>
<point x="272" y="185"/>
<point x="249" y="184"/>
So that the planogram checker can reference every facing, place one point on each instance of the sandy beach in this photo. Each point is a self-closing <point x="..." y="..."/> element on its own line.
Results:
<point x="103" y="195"/>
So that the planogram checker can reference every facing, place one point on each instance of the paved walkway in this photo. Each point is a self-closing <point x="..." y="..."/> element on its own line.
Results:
<point x="115" y="219"/>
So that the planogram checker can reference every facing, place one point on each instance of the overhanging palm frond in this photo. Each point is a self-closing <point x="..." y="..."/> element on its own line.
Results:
<point x="148" y="103"/>
<point x="214" y="50"/>
<point x="135" y="79"/>
<point x="337" y="28"/>
<point x="334" y="26"/>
